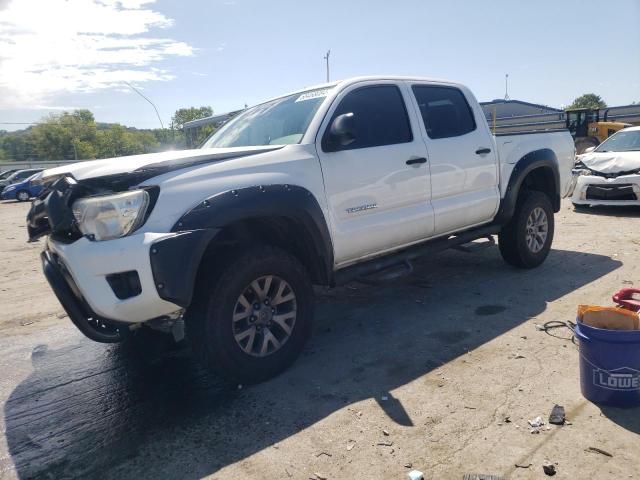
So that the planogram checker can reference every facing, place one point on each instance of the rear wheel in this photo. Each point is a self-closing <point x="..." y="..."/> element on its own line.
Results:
<point x="526" y="240"/>
<point x="22" y="196"/>
<point x="250" y="319"/>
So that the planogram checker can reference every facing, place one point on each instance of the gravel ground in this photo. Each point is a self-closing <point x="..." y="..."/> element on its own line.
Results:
<point x="438" y="371"/>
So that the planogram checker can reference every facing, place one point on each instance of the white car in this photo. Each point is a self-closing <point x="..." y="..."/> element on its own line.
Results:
<point x="320" y="186"/>
<point x="609" y="174"/>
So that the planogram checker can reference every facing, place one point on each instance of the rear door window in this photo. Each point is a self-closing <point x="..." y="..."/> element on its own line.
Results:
<point x="380" y="116"/>
<point x="24" y="174"/>
<point x="444" y="110"/>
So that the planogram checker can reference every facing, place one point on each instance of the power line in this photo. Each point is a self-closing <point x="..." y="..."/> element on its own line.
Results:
<point x="65" y="124"/>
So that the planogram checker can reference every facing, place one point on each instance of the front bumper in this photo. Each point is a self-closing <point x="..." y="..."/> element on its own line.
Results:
<point x="80" y="313"/>
<point x="90" y="264"/>
<point x="8" y="195"/>
<point x="596" y="190"/>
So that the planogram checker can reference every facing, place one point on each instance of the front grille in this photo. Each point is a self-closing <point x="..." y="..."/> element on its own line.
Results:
<point x="621" y="191"/>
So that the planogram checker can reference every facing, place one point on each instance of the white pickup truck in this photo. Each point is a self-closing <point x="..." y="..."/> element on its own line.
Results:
<point x="321" y="186"/>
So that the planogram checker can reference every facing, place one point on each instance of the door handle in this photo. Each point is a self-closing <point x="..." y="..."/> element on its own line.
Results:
<point x="483" y="151"/>
<point x="415" y="161"/>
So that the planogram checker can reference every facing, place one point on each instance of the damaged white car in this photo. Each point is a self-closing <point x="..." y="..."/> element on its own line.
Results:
<point x="609" y="174"/>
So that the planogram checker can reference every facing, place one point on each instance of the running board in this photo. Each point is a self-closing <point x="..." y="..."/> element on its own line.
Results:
<point x="388" y="274"/>
<point x="376" y="265"/>
<point x="474" y="247"/>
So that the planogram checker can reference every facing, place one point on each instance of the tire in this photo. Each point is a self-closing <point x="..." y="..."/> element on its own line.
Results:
<point x="516" y="246"/>
<point x="22" y="196"/>
<point x="226" y="345"/>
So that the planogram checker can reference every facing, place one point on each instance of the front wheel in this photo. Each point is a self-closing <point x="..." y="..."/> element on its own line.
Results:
<point x="250" y="320"/>
<point x="526" y="240"/>
<point x="22" y="196"/>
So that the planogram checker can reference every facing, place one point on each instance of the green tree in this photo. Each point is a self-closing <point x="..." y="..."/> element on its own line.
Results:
<point x="184" y="115"/>
<point x="66" y="136"/>
<point x="588" y="100"/>
<point x="118" y="141"/>
<point x="71" y="135"/>
<point x="196" y="136"/>
<point x="14" y="146"/>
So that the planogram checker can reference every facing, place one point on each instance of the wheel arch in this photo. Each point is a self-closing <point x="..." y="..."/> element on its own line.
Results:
<point x="537" y="170"/>
<point x="286" y="216"/>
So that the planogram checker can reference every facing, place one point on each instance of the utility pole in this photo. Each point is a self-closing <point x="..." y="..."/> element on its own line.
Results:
<point x="506" y="86"/>
<point x="326" y="57"/>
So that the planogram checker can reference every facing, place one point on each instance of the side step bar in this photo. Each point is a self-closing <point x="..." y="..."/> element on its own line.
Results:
<point x="430" y="247"/>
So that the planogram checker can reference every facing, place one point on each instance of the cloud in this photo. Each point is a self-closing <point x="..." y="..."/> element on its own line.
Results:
<point x="52" y="47"/>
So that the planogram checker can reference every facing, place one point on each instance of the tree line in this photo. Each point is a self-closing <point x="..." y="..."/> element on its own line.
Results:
<point x="76" y="135"/>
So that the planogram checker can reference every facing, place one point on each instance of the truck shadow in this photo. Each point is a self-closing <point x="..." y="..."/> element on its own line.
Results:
<point x="619" y="211"/>
<point x="97" y="410"/>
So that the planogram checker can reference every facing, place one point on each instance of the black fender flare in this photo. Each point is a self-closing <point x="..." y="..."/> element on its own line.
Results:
<point x="175" y="260"/>
<point x="543" y="158"/>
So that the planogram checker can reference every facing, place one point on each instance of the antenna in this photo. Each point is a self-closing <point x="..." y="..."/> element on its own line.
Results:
<point x="152" y="104"/>
<point x="506" y="86"/>
<point x="326" y="57"/>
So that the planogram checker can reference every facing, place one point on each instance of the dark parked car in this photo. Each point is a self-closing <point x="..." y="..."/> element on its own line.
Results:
<point x="7" y="172"/>
<point x="19" y="176"/>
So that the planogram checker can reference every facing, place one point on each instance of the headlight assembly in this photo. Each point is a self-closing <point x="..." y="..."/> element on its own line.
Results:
<point x="111" y="216"/>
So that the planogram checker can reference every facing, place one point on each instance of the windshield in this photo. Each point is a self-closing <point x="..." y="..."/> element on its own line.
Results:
<point x="279" y="122"/>
<point x="21" y="175"/>
<point x="621" y="142"/>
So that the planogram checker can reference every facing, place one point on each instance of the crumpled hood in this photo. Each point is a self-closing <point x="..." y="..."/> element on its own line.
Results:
<point x="612" y="162"/>
<point x="152" y="163"/>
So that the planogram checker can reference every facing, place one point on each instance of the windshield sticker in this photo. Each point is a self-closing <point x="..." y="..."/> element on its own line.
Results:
<point x="314" y="94"/>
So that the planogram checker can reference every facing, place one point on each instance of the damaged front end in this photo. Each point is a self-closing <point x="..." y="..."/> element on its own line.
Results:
<point x="609" y="186"/>
<point x="51" y="211"/>
<point x="52" y="214"/>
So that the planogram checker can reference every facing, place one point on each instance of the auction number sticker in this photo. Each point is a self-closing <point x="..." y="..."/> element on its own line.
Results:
<point x="323" y="92"/>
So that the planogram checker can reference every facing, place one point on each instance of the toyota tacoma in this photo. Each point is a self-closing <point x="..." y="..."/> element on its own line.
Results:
<point x="319" y="187"/>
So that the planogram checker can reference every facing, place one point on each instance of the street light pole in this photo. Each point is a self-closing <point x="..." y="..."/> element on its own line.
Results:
<point x="326" y="57"/>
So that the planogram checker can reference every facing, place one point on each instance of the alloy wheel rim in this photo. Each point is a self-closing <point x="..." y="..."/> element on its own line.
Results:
<point x="23" y="196"/>
<point x="537" y="230"/>
<point x="264" y="316"/>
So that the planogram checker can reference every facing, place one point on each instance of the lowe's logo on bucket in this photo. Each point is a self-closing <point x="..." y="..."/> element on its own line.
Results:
<point x="619" y="379"/>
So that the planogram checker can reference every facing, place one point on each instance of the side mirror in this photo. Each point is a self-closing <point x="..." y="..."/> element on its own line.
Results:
<point x="589" y="150"/>
<point x="343" y="130"/>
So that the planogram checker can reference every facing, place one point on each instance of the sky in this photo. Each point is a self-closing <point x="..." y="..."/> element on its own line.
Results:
<point x="60" y="55"/>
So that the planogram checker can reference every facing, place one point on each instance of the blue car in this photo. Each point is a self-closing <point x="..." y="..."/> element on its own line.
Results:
<point x="23" y="190"/>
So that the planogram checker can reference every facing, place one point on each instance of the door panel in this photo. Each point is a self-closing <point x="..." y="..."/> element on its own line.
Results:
<point x="464" y="168"/>
<point x="377" y="201"/>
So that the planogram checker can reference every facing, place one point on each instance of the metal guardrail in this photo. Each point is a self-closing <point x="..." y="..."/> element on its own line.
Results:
<point x="36" y="164"/>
